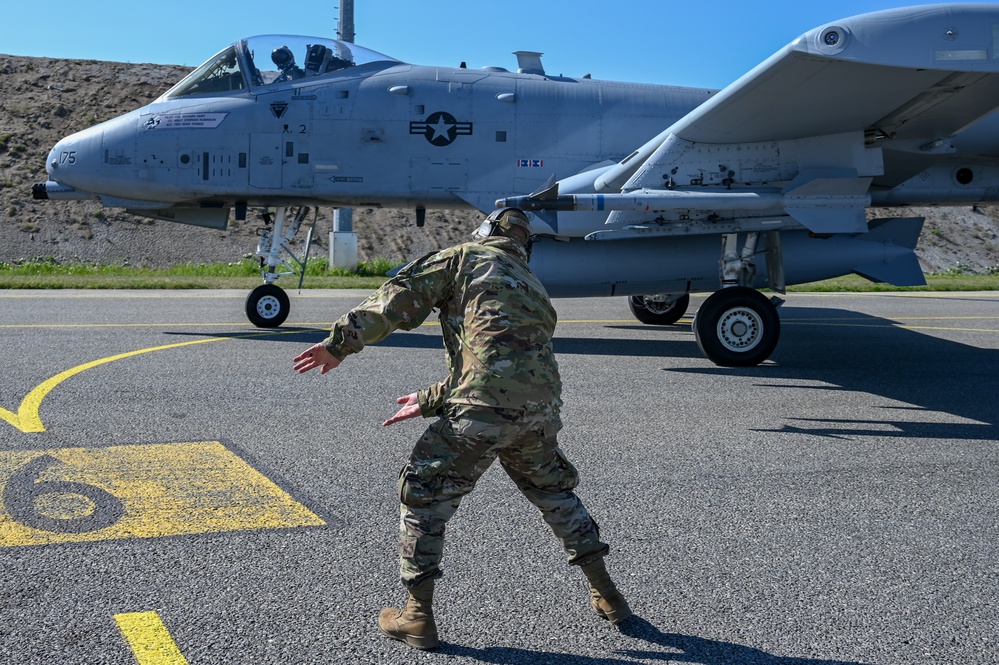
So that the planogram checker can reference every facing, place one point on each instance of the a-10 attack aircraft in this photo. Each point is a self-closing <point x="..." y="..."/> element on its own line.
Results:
<point x="663" y="191"/>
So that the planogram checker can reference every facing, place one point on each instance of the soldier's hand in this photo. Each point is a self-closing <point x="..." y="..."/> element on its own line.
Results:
<point x="313" y="357"/>
<point x="410" y="409"/>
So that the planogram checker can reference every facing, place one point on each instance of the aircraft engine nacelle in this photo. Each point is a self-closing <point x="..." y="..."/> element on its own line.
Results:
<point x="956" y="184"/>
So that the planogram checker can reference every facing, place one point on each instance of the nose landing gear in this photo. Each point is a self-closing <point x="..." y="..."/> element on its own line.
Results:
<point x="267" y="306"/>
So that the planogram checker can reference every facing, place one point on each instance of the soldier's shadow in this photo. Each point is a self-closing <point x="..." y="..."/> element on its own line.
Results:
<point x="666" y="647"/>
<point x="692" y="649"/>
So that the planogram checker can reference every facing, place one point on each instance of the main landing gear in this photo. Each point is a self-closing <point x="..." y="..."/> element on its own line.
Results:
<point x="268" y="306"/>
<point x="736" y="326"/>
<point x="663" y="309"/>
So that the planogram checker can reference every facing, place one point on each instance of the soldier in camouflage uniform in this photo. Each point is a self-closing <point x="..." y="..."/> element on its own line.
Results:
<point x="501" y="399"/>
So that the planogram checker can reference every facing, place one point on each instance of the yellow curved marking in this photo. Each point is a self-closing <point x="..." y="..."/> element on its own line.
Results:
<point x="27" y="419"/>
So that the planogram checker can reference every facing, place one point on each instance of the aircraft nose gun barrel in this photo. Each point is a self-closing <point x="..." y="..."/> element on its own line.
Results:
<point x="54" y="191"/>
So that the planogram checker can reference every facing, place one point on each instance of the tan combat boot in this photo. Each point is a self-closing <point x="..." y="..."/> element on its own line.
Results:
<point x="604" y="596"/>
<point x="414" y="623"/>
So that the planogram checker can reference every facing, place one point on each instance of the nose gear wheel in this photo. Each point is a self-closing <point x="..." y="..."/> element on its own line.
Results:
<point x="267" y="306"/>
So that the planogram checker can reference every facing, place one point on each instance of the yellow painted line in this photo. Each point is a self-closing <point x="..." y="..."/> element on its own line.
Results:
<point x="977" y="330"/>
<point x="74" y="495"/>
<point x="897" y="318"/>
<point x="149" y="639"/>
<point x="299" y="327"/>
<point x="892" y="294"/>
<point x="888" y="324"/>
<point x="112" y="294"/>
<point x="121" y="325"/>
<point x="844" y="322"/>
<point x="948" y="318"/>
<point x="186" y="294"/>
<point x="27" y="418"/>
<point x="305" y="325"/>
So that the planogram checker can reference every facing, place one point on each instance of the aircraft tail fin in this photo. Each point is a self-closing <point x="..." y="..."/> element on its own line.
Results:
<point x="898" y="266"/>
<point x="901" y="231"/>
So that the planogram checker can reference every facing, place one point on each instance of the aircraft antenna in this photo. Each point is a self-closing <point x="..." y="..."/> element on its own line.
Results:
<point x="345" y="32"/>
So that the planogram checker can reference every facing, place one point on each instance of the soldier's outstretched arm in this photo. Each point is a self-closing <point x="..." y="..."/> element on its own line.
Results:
<point x="404" y="302"/>
<point x="410" y="409"/>
<point x="315" y="356"/>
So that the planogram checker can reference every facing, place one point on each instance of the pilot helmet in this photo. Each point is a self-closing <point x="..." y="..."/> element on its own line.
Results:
<point x="508" y="222"/>
<point x="282" y="57"/>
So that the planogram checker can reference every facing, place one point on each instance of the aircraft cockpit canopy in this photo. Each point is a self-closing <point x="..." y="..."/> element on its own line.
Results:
<point x="269" y="60"/>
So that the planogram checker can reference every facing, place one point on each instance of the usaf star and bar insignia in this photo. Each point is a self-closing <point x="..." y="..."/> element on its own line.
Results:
<point x="441" y="128"/>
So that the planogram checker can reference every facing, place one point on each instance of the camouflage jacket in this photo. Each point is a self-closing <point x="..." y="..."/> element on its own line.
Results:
<point x="496" y="318"/>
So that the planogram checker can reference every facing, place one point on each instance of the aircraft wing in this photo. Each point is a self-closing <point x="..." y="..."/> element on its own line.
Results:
<point x="910" y="73"/>
<point x="907" y="80"/>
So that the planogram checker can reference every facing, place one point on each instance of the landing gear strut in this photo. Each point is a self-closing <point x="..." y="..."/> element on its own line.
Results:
<point x="268" y="306"/>
<point x="738" y="326"/>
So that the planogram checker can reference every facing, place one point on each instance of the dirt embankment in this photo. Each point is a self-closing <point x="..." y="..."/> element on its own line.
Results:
<point x="42" y="100"/>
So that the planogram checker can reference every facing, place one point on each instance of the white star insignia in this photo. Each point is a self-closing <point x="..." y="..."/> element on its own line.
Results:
<point x="441" y="129"/>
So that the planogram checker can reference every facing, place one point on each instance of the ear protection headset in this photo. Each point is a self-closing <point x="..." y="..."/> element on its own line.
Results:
<point x="490" y="225"/>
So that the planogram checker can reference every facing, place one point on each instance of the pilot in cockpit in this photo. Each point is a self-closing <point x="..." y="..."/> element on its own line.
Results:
<point x="285" y="61"/>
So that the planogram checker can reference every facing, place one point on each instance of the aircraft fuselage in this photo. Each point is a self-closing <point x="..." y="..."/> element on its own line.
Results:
<point x="378" y="134"/>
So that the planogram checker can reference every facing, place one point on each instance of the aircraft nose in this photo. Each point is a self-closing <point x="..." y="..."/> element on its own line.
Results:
<point x="72" y="158"/>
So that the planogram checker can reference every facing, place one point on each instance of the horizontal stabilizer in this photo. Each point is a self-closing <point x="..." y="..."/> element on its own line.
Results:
<point x="899" y="265"/>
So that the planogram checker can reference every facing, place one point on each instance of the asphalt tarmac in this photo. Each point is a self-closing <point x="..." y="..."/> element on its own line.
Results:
<point x="173" y="492"/>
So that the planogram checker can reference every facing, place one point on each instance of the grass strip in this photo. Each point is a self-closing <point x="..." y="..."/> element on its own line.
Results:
<point x="51" y="274"/>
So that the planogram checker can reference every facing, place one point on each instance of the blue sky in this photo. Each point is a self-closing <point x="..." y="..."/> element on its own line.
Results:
<point x="703" y="44"/>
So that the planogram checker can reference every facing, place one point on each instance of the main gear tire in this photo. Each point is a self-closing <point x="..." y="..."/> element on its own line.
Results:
<point x="267" y="306"/>
<point x="652" y="312"/>
<point x="737" y="327"/>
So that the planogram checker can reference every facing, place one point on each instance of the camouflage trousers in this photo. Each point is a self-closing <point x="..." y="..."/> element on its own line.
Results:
<point x="450" y="458"/>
